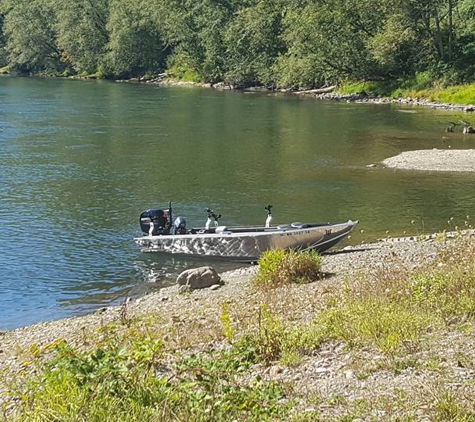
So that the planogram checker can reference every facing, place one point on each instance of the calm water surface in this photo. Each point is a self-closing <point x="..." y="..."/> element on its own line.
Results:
<point x="79" y="161"/>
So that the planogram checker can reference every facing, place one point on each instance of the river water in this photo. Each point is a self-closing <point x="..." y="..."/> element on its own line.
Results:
<point x="79" y="161"/>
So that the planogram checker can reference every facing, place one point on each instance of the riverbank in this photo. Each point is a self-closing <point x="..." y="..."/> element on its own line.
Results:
<point x="364" y="377"/>
<point x="408" y="101"/>
<point x="415" y="99"/>
<point x="325" y="93"/>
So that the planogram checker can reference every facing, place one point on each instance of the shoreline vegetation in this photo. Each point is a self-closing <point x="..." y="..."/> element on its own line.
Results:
<point x="384" y="333"/>
<point x="402" y="49"/>
<point x="457" y="97"/>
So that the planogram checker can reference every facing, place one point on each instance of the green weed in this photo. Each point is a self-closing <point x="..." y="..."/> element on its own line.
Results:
<point x="420" y="86"/>
<point x="378" y="321"/>
<point x="179" y="68"/>
<point x="228" y="330"/>
<point x="132" y="383"/>
<point x="447" y="408"/>
<point x="373" y="88"/>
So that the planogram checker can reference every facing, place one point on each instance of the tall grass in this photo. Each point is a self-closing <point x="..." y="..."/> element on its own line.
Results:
<point x="420" y="86"/>
<point x="391" y="311"/>
<point x="459" y="94"/>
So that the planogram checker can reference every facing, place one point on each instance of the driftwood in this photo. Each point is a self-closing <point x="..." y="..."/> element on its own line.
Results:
<point x="317" y="91"/>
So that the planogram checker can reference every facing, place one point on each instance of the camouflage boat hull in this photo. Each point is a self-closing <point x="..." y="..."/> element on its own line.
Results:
<point x="247" y="243"/>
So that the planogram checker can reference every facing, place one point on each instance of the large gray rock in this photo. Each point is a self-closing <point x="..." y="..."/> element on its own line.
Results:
<point x="198" y="278"/>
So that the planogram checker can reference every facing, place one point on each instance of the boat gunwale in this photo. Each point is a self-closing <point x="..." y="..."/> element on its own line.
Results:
<point x="260" y="231"/>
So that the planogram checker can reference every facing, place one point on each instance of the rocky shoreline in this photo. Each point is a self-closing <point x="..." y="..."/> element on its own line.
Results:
<point x="416" y="102"/>
<point x="321" y="94"/>
<point x="358" y="97"/>
<point x="329" y="372"/>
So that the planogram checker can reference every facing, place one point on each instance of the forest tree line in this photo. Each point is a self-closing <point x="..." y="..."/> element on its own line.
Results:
<point x="276" y="43"/>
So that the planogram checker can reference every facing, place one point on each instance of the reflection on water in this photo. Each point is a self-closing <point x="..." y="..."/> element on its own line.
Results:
<point x="81" y="159"/>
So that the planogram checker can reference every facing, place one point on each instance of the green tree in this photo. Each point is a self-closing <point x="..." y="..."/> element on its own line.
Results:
<point x="326" y="41"/>
<point x="199" y="38"/>
<point x="3" y="55"/>
<point x="432" y="25"/>
<point x="135" y="44"/>
<point x="465" y="39"/>
<point x="82" y="34"/>
<point x="30" y="37"/>
<point x="394" y="48"/>
<point x="253" y="43"/>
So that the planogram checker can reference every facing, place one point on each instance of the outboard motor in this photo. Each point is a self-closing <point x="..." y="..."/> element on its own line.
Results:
<point x="180" y="225"/>
<point x="155" y="222"/>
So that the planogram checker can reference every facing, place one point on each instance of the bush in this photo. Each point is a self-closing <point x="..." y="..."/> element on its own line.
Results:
<point x="278" y="267"/>
<point x="179" y="67"/>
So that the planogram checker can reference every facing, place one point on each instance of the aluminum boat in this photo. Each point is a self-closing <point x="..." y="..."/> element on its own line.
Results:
<point x="244" y="243"/>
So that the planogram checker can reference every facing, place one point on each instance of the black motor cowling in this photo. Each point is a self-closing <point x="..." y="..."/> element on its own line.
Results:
<point x="160" y="219"/>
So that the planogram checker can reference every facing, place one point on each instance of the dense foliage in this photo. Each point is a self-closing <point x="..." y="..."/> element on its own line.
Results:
<point x="276" y="43"/>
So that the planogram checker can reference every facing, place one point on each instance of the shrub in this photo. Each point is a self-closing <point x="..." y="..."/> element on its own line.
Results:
<point x="278" y="267"/>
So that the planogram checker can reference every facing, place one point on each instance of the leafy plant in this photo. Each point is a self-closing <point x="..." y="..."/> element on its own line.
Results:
<point x="278" y="267"/>
<point x="131" y="382"/>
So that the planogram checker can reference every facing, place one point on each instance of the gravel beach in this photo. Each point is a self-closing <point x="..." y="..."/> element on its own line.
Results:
<point x="462" y="160"/>
<point x="331" y="371"/>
